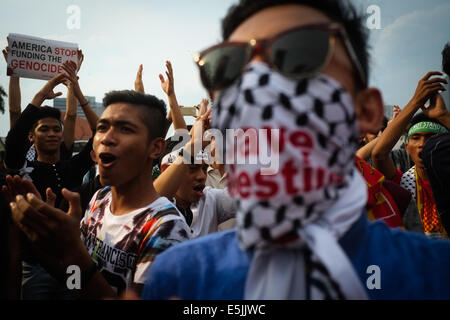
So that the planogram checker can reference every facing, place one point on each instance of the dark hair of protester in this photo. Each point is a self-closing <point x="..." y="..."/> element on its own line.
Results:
<point x="421" y="117"/>
<point x="339" y="11"/>
<point x="46" y="112"/>
<point x="446" y="59"/>
<point x="436" y="159"/>
<point x="153" y="110"/>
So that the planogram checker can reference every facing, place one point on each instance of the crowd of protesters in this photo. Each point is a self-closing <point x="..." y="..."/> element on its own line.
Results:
<point x="163" y="218"/>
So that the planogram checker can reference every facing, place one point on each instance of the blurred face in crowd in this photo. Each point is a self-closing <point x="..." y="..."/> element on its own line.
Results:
<point x="47" y="135"/>
<point x="191" y="188"/>
<point x="274" y="20"/>
<point x="121" y="145"/>
<point x="415" y="146"/>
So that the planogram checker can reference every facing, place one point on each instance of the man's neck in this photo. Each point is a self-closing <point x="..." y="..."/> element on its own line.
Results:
<point x="47" y="157"/>
<point x="136" y="194"/>
<point x="181" y="203"/>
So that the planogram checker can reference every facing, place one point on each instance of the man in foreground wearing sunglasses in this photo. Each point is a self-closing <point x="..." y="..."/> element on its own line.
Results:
<point x="302" y="233"/>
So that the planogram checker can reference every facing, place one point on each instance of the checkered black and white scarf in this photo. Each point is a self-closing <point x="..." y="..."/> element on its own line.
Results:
<point x="293" y="223"/>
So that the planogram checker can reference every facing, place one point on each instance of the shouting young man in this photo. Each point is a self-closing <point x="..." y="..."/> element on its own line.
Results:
<point x="127" y="223"/>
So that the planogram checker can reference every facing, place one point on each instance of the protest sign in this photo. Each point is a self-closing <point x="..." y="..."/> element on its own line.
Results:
<point x="38" y="58"/>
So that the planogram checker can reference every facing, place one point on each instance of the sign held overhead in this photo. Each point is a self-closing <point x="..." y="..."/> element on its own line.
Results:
<point x="38" y="58"/>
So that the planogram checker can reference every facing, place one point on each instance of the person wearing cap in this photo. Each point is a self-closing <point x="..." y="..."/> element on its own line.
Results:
<point x="431" y="121"/>
<point x="203" y="207"/>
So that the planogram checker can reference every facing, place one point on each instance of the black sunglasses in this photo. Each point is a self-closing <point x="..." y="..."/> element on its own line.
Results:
<point x="296" y="53"/>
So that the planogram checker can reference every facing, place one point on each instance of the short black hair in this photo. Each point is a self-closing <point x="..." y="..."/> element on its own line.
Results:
<point x="153" y="110"/>
<point x="46" y="112"/>
<point x="446" y="59"/>
<point x="341" y="11"/>
<point x="421" y="117"/>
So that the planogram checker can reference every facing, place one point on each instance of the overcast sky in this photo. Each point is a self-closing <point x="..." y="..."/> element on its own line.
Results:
<point x="117" y="36"/>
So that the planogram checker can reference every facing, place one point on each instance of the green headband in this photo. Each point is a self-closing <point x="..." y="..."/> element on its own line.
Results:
<point x="427" y="127"/>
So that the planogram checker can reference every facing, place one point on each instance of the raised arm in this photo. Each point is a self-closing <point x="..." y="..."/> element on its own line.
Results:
<point x="138" y="83"/>
<point x="438" y="110"/>
<point x="47" y="92"/>
<point x="365" y="152"/>
<point x="425" y="90"/>
<point x="168" y="87"/>
<point x="70" y="116"/>
<point x="17" y="142"/>
<point x="90" y="114"/>
<point x="168" y="182"/>
<point x="14" y="96"/>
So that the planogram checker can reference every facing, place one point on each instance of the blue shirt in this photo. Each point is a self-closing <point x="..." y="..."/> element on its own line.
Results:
<point x="213" y="267"/>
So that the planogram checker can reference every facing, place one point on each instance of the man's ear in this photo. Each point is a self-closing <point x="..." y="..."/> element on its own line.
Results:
<point x="369" y="110"/>
<point x="31" y="137"/>
<point x="157" y="147"/>
<point x="407" y="147"/>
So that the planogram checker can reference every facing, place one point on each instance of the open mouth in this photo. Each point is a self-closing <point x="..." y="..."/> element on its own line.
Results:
<point x="199" y="190"/>
<point x="107" y="159"/>
<point x="420" y="155"/>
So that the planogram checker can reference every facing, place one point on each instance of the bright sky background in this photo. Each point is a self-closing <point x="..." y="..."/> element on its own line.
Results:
<point x="116" y="36"/>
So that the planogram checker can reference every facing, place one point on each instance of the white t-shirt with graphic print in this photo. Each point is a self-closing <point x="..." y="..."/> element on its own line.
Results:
<point x="124" y="246"/>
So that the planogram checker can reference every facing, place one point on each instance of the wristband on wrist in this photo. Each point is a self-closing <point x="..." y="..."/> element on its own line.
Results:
<point x="84" y="104"/>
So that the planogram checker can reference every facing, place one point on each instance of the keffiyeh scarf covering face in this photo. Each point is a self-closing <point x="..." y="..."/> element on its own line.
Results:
<point x="292" y="220"/>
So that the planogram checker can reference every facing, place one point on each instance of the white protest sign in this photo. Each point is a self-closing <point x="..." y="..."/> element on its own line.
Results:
<point x="38" y="58"/>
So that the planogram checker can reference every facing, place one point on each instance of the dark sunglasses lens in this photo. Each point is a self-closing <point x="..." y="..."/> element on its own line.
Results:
<point x="301" y="52"/>
<point x="220" y="67"/>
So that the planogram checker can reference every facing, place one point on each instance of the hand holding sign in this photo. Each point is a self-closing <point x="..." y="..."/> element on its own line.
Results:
<point x="37" y="58"/>
<point x="80" y="56"/>
<point x="5" y="53"/>
<point x="70" y="69"/>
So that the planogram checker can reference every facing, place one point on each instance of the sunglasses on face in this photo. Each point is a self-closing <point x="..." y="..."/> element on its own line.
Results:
<point x="295" y="53"/>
